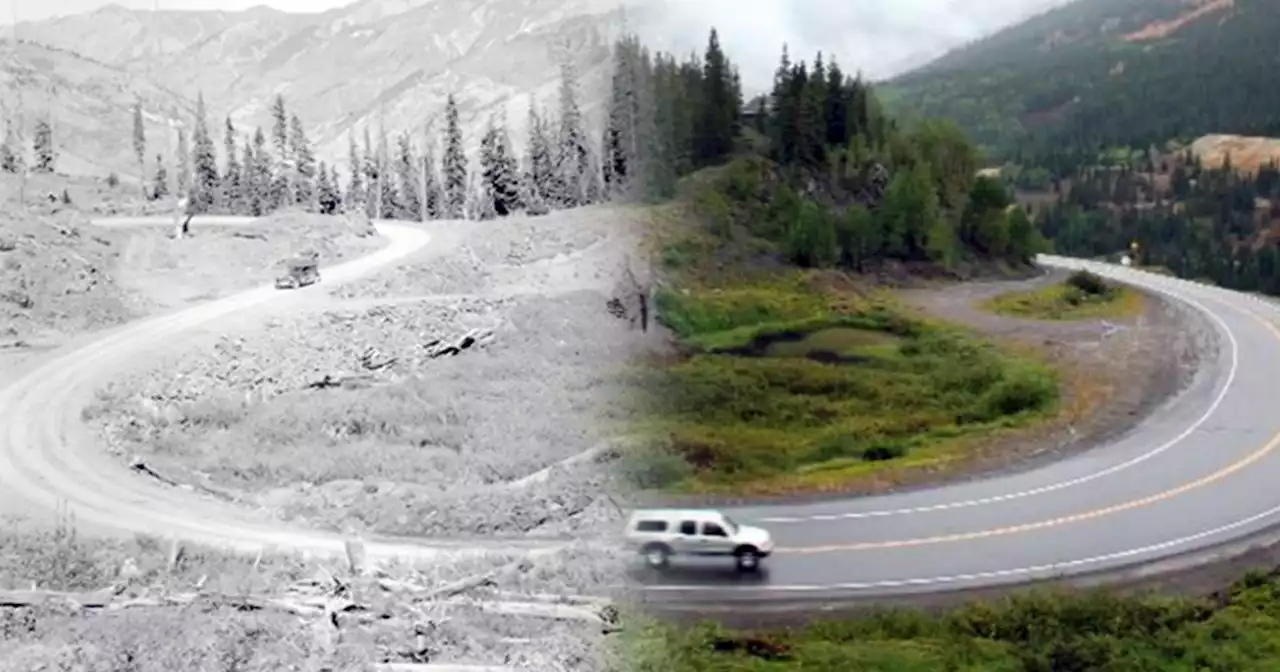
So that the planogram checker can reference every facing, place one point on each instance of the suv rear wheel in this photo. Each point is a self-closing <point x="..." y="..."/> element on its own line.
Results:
<point x="657" y="556"/>
<point x="748" y="558"/>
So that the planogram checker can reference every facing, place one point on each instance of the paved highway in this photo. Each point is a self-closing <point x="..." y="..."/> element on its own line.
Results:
<point x="1201" y="471"/>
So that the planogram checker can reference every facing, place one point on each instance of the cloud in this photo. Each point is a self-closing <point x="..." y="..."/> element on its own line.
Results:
<point x="881" y="38"/>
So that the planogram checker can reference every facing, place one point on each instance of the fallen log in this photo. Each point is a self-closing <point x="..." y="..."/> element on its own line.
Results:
<point x="453" y="588"/>
<point x="301" y="606"/>
<point x="474" y="337"/>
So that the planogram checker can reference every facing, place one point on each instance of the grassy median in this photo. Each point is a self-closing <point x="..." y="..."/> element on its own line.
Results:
<point x="795" y="381"/>
<point x="1083" y="296"/>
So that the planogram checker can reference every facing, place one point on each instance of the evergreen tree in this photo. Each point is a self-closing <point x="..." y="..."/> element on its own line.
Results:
<point x="369" y="165"/>
<point x="454" y="165"/>
<point x="183" y="162"/>
<point x="621" y="155"/>
<point x="355" y="189"/>
<point x="499" y="170"/>
<point x="717" y="123"/>
<point x="42" y="145"/>
<point x="304" y="165"/>
<point x="572" y="152"/>
<point x="540" y="164"/>
<point x="248" y="194"/>
<point x="408" y="200"/>
<point x="205" y="181"/>
<point x="909" y="209"/>
<point x="326" y="194"/>
<point x="231" y="173"/>
<point x="8" y="159"/>
<point x="335" y="186"/>
<point x="434" y="202"/>
<point x="388" y="194"/>
<point x="140" y="142"/>
<point x="280" y="129"/>
<point x="160" y="185"/>
<point x="260" y="193"/>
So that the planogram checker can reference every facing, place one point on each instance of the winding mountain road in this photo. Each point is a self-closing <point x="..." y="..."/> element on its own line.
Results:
<point x="1200" y="473"/>
<point x="51" y="462"/>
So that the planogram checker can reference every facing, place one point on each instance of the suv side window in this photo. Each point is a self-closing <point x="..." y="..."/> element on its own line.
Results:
<point x="688" y="527"/>
<point x="713" y="530"/>
<point x="651" y="526"/>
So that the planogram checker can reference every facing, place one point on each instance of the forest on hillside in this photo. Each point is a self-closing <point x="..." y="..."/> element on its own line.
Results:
<point x="1217" y="224"/>
<point x="822" y="174"/>
<point x="1013" y="93"/>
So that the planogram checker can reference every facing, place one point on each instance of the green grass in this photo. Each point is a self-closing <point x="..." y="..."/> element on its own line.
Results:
<point x="1068" y="301"/>
<point x="787" y="386"/>
<point x="1034" y="632"/>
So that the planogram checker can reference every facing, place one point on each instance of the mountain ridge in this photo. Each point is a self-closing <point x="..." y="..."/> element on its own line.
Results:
<point x="357" y="68"/>
<point x="1106" y="73"/>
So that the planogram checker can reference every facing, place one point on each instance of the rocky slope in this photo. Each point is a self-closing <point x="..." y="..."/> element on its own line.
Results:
<point x="371" y="63"/>
<point x="90" y="104"/>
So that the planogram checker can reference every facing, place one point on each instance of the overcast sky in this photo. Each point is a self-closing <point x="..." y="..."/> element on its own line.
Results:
<point x="879" y="37"/>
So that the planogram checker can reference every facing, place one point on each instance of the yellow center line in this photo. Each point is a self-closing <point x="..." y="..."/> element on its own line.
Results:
<point x="1230" y="469"/>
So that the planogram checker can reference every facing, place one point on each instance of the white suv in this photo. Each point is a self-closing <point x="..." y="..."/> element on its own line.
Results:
<point x="660" y="534"/>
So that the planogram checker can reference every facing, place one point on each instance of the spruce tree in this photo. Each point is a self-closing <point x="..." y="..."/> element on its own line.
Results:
<point x="573" y="161"/>
<point x="42" y="146"/>
<point x="388" y="194"/>
<point x="540" y="164"/>
<point x="280" y="129"/>
<point x="500" y="181"/>
<point x="334" y="184"/>
<point x="355" y="189"/>
<point x="326" y="194"/>
<point x="434" y="191"/>
<point x="247" y="194"/>
<point x="205" y="181"/>
<point x="231" y="173"/>
<point x="614" y="142"/>
<point x="835" y="107"/>
<point x="8" y="159"/>
<point x="488" y="171"/>
<point x="408" y="201"/>
<point x="304" y="165"/>
<point x="716" y="126"/>
<point x="369" y="165"/>
<point x="160" y="184"/>
<point x="183" y="163"/>
<point x="454" y="164"/>
<point x="140" y="143"/>
<point x="258" y="167"/>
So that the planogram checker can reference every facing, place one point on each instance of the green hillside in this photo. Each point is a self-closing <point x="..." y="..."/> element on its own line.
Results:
<point x="1070" y="76"/>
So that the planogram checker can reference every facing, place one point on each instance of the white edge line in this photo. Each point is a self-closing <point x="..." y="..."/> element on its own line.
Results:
<point x="1192" y="428"/>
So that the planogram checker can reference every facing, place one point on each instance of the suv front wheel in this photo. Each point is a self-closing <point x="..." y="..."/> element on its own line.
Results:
<point x="748" y="558"/>
<point x="657" y="556"/>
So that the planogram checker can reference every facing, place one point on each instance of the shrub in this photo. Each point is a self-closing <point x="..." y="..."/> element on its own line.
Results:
<point x="1089" y="283"/>
<point x="652" y="467"/>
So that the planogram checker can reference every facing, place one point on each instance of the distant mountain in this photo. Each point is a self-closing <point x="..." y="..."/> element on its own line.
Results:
<point x="1108" y="73"/>
<point x="388" y="63"/>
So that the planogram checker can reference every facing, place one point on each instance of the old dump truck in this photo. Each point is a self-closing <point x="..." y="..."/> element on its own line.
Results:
<point x="299" y="272"/>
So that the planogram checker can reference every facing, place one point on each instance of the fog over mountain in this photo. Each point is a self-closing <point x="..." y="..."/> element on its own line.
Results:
<point x="882" y="38"/>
